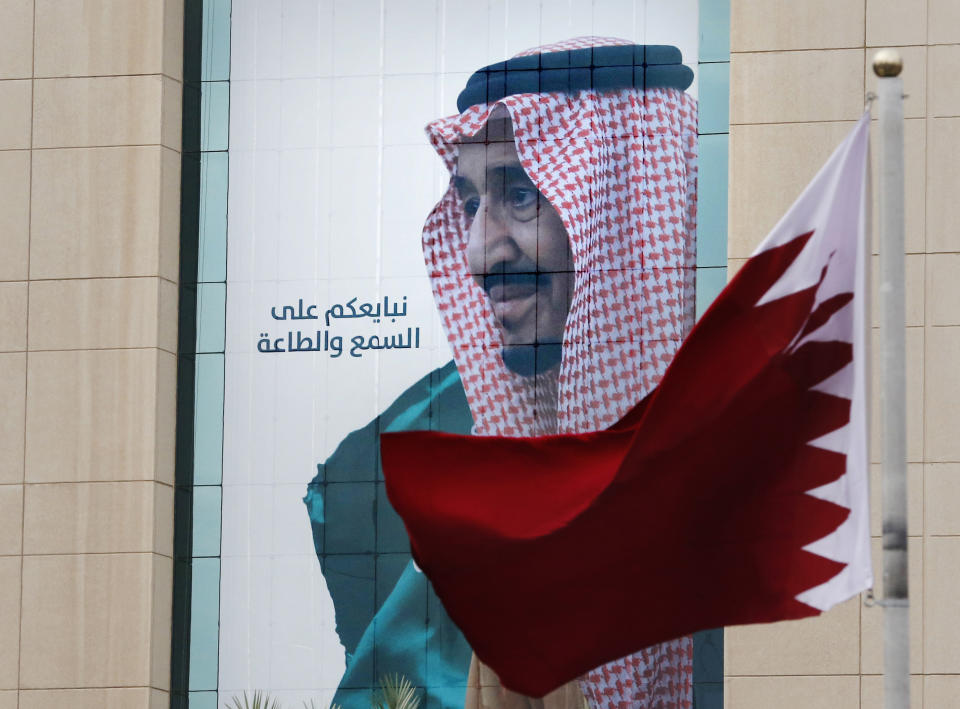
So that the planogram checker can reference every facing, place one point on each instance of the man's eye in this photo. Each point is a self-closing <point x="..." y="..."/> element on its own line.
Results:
<point x="471" y="206"/>
<point x="522" y="197"/>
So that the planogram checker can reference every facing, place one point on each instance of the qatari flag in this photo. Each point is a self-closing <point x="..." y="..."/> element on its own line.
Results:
<point x="735" y="492"/>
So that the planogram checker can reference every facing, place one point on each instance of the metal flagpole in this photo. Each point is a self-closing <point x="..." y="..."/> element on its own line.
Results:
<point x="887" y="65"/>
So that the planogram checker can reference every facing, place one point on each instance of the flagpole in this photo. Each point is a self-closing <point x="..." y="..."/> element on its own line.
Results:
<point x="887" y="65"/>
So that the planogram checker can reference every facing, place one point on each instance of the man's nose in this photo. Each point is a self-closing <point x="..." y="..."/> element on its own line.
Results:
<point x="493" y="228"/>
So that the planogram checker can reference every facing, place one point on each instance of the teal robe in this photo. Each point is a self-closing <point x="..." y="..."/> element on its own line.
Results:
<point x="388" y="617"/>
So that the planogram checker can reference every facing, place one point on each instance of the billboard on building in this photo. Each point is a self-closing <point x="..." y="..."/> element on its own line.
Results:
<point x="469" y="217"/>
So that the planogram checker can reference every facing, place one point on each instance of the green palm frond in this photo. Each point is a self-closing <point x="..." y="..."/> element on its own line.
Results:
<point x="396" y="692"/>
<point x="259" y="700"/>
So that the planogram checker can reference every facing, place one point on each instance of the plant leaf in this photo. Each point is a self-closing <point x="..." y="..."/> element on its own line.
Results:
<point x="396" y="692"/>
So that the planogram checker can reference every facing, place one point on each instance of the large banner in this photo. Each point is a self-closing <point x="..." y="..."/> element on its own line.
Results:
<point x="475" y="217"/>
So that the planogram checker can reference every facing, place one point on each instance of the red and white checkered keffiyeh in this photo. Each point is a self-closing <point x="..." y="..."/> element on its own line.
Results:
<point x="620" y="169"/>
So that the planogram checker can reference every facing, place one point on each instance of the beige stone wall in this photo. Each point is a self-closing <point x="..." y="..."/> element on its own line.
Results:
<point x="799" y="72"/>
<point x="90" y="94"/>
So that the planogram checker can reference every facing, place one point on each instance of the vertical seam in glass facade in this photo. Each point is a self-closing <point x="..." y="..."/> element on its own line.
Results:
<point x="203" y="243"/>
<point x="714" y="130"/>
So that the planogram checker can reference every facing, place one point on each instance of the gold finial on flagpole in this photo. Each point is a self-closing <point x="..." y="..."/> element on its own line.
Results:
<point x="887" y="62"/>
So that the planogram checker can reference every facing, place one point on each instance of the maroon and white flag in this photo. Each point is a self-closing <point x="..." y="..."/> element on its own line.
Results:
<point x="734" y="492"/>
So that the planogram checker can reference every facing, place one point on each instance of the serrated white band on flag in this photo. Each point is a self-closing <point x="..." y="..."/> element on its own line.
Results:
<point x="834" y="207"/>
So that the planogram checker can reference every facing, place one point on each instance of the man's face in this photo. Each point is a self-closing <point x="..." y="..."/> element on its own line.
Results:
<point x="517" y="250"/>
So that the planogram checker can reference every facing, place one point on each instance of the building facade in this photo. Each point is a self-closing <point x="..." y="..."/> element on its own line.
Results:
<point x="109" y="144"/>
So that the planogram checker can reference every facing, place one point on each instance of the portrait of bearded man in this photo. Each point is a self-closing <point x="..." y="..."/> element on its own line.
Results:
<point x="561" y="259"/>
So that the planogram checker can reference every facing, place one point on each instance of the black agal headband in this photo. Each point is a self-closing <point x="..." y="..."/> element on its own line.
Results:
<point x="638" y="66"/>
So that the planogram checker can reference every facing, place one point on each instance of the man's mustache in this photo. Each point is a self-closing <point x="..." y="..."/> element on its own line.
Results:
<point x="514" y="279"/>
<point x="517" y="273"/>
